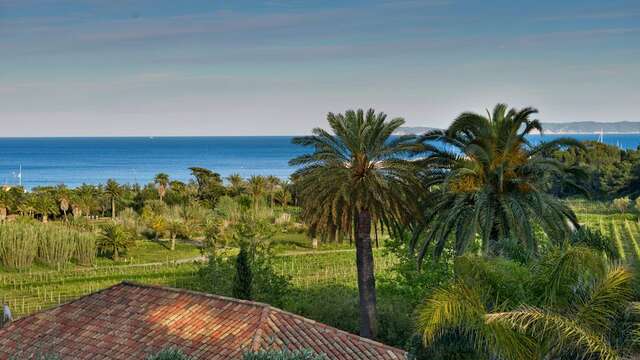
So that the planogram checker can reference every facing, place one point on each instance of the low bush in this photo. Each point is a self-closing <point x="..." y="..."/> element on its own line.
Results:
<point x="284" y="355"/>
<point x="217" y="277"/>
<point x="595" y="240"/>
<point x="171" y="353"/>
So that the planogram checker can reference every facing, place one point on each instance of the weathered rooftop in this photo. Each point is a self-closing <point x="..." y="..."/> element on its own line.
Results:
<point x="132" y="321"/>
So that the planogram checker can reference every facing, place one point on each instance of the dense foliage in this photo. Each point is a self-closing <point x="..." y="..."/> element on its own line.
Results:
<point x="612" y="171"/>
<point x="21" y="243"/>
<point x="283" y="355"/>
<point x="571" y="303"/>
<point x="485" y="179"/>
<point x="171" y="353"/>
<point x="516" y="274"/>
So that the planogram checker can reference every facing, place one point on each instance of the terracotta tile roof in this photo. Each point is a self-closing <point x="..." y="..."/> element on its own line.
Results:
<point x="131" y="321"/>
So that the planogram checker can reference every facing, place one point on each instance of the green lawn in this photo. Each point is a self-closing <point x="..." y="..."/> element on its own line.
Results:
<point x="146" y="251"/>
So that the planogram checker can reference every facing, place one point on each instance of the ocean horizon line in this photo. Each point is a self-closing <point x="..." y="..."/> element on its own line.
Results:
<point x="151" y="137"/>
<point x="147" y="136"/>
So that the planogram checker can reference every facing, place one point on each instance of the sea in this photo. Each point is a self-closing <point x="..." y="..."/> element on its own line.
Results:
<point x="74" y="161"/>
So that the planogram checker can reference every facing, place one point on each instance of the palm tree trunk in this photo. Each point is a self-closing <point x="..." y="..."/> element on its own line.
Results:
<point x="113" y="208"/>
<point x="366" y="276"/>
<point x="173" y="241"/>
<point x="492" y="246"/>
<point x="375" y="231"/>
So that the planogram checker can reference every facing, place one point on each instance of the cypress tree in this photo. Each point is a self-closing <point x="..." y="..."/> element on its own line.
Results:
<point x="242" y="282"/>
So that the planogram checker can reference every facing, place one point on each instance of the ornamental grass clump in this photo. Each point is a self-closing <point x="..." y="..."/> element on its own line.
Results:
<point x="53" y="245"/>
<point x="85" y="248"/>
<point x="18" y="245"/>
<point x="56" y="245"/>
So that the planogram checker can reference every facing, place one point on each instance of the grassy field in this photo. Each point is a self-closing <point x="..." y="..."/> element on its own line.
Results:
<point x="40" y="288"/>
<point x="27" y="292"/>
<point x="624" y="229"/>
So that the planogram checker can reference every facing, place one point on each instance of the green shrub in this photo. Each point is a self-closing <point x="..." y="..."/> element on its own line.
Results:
<point x="217" y="277"/>
<point x="451" y="345"/>
<point x="18" y="245"/>
<point x="283" y="355"/>
<point x="594" y="239"/>
<point x="332" y="304"/>
<point x="46" y="356"/>
<point x="622" y="204"/>
<point x="171" y="353"/>
<point x="503" y="281"/>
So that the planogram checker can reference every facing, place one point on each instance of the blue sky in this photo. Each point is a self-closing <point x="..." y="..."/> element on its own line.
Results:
<point x="166" y="67"/>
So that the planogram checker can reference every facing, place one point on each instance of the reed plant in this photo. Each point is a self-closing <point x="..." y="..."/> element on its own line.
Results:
<point x="86" y="248"/>
<point x="53" y="245"/>
<point x="18" y="245"/>
<point x="56" y="245"/>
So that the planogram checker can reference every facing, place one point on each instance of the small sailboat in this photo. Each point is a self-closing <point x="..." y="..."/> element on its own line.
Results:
<point x="601" y="137"/>
<point x="18" y="175"/>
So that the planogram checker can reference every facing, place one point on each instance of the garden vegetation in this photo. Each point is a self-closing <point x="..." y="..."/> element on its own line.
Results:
<point x="470" y="242"/>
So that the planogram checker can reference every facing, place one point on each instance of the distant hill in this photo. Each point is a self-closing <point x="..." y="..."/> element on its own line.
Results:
<point x="411" y="130"/>
<point x="591" y="127"/>
<point x="579" y="127"/>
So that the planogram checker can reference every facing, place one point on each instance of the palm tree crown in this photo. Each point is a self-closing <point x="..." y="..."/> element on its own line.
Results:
<point x="571" y="304"/>
<point x="488" y="179"/>
<point x="257" y="187"/>
<point x="162" y="183"/>
<point x="358" y="174"/>
<point x="237" y="185"/>
<point x="113" y="191"/>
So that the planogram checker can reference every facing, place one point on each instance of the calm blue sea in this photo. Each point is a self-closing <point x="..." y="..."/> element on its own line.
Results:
<point x="73" y="161"/>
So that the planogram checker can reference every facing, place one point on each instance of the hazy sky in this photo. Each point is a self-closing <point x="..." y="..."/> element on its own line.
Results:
<point x="169" y="67"/>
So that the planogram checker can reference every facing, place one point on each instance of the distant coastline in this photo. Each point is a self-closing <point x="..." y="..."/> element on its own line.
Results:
<point x="568" y="128"/>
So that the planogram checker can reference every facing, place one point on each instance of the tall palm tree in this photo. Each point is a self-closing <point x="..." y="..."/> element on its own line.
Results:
<point x="578" y="300"/>
<point x="85" y="200"/>
<point x="26" y="204"/>
<point x="486" y="178"/>
<point x="236" y="185"/>
<point x="63" y="196"/>
<point x="257" y="187"/>
<point x="273" y="184"/>
<point x="113" y="191"/>
<point x="162" y="184"/>
<point x="44" y="205"/>
<point x="5" y="203"/>
<point x="283" y="196"/>
<point x="358" y="174"/>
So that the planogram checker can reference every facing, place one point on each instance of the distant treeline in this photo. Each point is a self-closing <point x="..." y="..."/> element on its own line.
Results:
<point x="606" y="171"/>
<point x="88" y="200"/>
